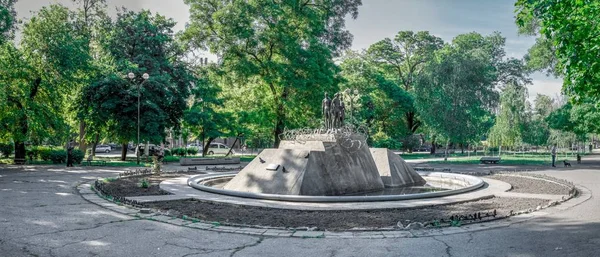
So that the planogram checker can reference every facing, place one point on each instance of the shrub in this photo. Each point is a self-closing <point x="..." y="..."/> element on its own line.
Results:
<point x="6" y="149"/>
<point x="58" y="156"/>
<point x="382" y="140"/>
<point x="44" y="153"/>
<point x="144" y="183"/>
<point x="179" y="151"/>
<point x="409" y="142"/>
<point x="167" y="153"/>
<point x="492" y="149"/>
<point x="77" y="156"/>
<point x="192" y="151"/>
<point x="31" y="154"/>
<point x="171" y="159"/>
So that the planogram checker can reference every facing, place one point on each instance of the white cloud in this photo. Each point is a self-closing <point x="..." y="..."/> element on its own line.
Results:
<point x="549" y="87"/>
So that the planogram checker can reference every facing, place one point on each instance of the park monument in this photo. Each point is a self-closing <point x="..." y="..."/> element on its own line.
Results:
<point x="333" y="160"/>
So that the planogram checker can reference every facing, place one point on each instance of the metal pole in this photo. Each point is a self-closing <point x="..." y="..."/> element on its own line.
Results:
<point x="203" y="129"/>
<point x="137" y="152"/>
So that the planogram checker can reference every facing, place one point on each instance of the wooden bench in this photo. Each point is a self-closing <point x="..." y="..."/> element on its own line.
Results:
<point x="94" y="163"/>
<point x="490" y="159"/>
<point x="20" y="161"/>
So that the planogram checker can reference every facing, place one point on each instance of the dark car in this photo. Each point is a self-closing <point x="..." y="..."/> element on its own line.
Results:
<point x="423" y="148"/>
<point x="113" y="146"/>
<point x="152" y="150"/>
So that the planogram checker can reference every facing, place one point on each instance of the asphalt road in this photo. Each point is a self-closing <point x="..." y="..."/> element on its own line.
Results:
<point x="42" y="214"/>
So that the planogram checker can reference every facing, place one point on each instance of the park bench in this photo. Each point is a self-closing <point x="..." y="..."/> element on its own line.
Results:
<point x="95" y="163"/>
<point x="20" y="161"/>
<point x="91" y="162"/>
<point x="490" y="159"/>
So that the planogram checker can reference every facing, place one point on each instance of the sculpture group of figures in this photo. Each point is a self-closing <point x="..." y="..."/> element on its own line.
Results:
<point x="334" y="111"/>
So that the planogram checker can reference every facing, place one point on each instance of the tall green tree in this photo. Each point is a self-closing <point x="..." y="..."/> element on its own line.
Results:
<point x="90" y="21"/>
<point x="38" y="75"/>
<point x="456" y="93"/>
<point x="402" y="59"/>
<point x="284" y="48"/>
<point x="507" y="130"/>
<point x="382" y="101"/>
<point x="207" y="116"/>
<point x="571" y="28"/>
<point x="535" y="128"/>
<point x="543" y="105"/>
<point x="8" y="20"/>
<point x="140" y="42"/>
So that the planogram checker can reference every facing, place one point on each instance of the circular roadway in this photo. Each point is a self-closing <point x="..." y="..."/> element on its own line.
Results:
<point x="42" y="214"/>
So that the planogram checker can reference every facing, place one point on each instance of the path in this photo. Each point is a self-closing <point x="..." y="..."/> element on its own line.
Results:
<point x="42" y="215"/>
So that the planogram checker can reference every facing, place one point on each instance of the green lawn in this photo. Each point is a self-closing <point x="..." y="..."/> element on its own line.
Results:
<point x="419" y="156"/>
<point x="510" y="159"/>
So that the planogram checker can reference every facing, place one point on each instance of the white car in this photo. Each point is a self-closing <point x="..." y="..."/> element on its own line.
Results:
<point x="218" y="148"/>
<point x="194" y="145"/>
<point x="103" y="149"/>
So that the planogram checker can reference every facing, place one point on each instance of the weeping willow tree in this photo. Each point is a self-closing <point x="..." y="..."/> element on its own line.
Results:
<point x="507" y="130"/>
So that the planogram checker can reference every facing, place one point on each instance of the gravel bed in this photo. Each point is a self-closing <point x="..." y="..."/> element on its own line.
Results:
<point x="532" y="185"/>
<point x="337" y="220"/>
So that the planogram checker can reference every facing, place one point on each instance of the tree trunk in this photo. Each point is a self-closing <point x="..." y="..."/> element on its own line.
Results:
<point x="94" y="144"/>
<point x="19" y="150"/>
<point x="82" y="144"/>
<point x="432" y="145"/>
<point x="231" y="148"/>
<point x="206" y="145"/>
<point x="462" y="148"/>
<point x="280" y="122"/>
<point x="412" y="124"/>
<point x="446" y="151"/>
<point x="124" y="152"/>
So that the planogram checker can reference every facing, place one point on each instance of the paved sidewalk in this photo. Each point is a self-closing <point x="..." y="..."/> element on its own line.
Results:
<point x="42" y="214"/>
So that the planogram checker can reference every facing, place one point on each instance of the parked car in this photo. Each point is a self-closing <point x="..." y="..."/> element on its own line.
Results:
<point x="423" y="148"/>
<point x="103" y="149"/>
<point x="197" y="146"/>
<point x="113" y="146"/>
<point x="218" y="148"/>
<point x="152" y="149"/>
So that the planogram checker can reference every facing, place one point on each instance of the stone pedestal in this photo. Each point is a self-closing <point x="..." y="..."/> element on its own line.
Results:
<point x="324" y="168"/>
<point x="394" y="171"/>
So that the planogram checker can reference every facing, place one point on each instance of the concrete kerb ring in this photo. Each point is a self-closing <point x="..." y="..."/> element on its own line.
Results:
<point x="85" y="191"/>
<point x="473" y="184"/>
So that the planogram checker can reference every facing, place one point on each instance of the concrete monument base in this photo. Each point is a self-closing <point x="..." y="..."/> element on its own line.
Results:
<point x="324" y="168"/>
<point x="311" y="168"/>
<point x="394" y="171"/>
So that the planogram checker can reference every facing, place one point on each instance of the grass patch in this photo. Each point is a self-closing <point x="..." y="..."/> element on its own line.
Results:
<point x="247" y="158"/>
<point x="420" y="156"/>
<point x="478" y="155"/>
<point x="506" y="160"/>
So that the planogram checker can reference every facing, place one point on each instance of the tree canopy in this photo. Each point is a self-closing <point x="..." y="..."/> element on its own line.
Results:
<point x="285" y="49"/>
<point x="38" y="76"/>
<point x="570" y="31"/>
<point x="139" y="43"/>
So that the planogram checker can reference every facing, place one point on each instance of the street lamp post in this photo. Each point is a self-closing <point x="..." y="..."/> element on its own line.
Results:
<point x="203" y="129"/>
<point x="145" y="77"/>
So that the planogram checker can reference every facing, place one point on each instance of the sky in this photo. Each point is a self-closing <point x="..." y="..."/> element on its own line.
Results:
<point x="379" y="19"/>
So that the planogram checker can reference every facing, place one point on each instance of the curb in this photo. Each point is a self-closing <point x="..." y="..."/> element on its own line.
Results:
<point x="86" y="191"/>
